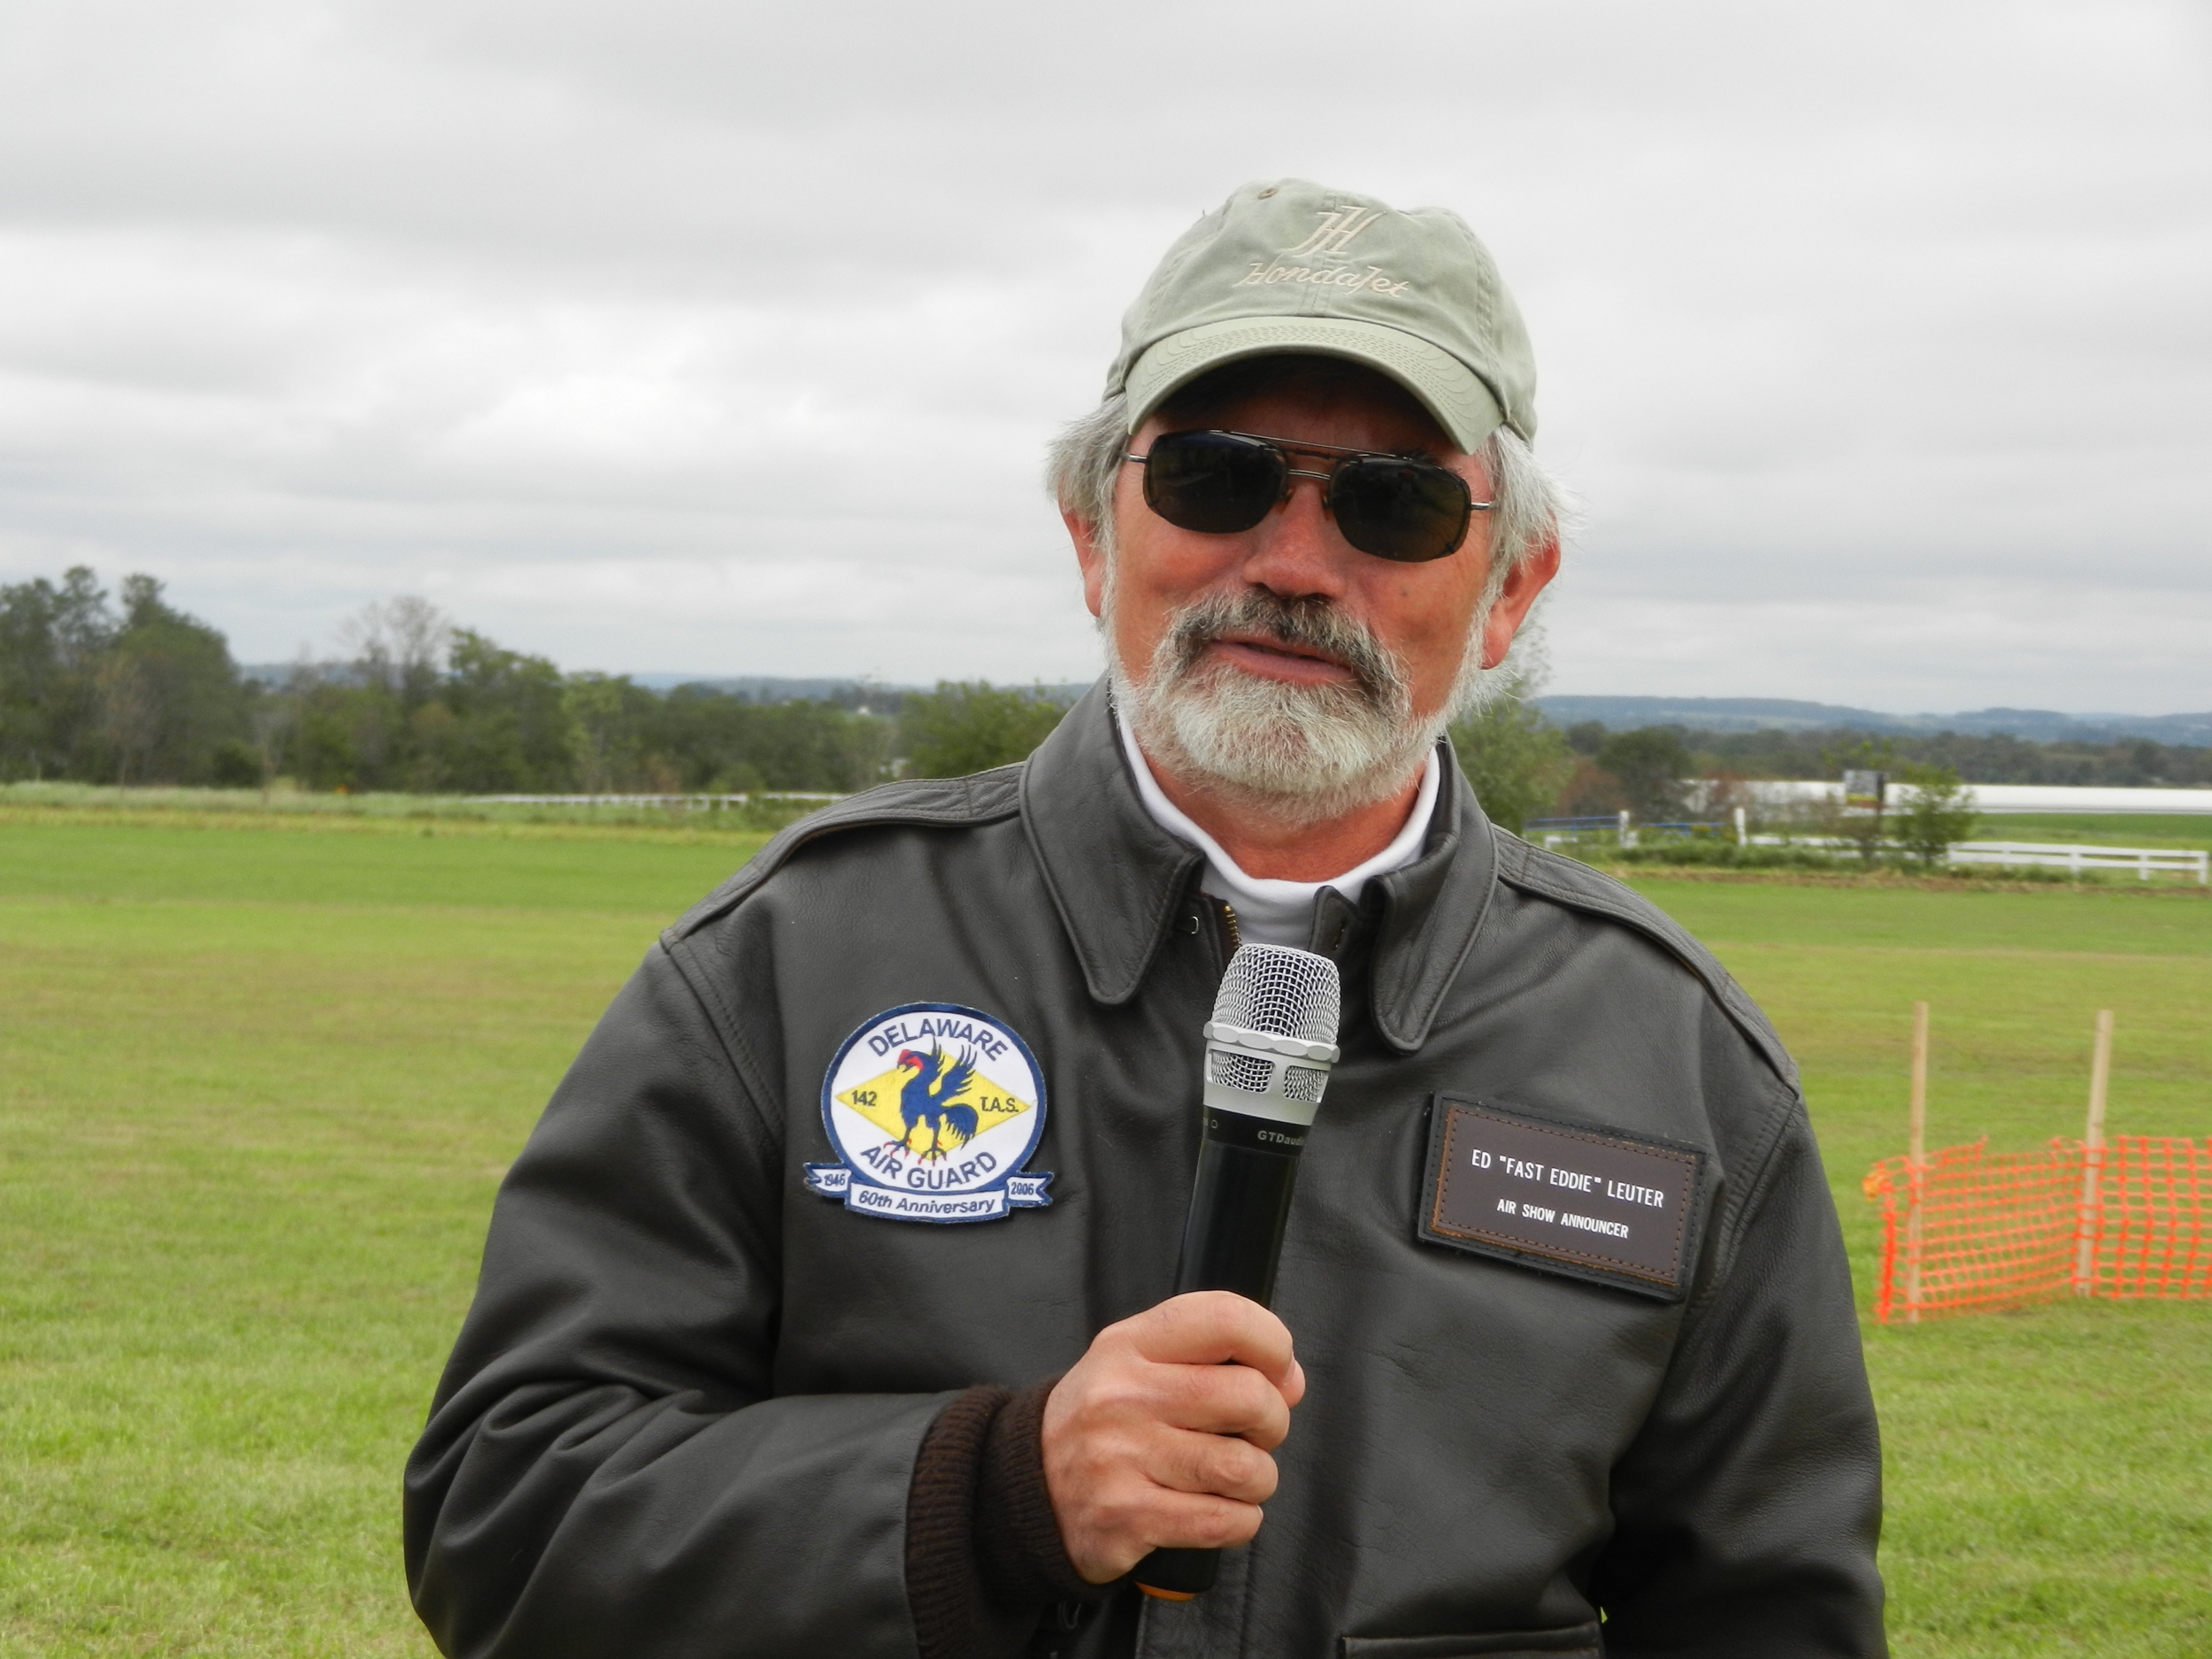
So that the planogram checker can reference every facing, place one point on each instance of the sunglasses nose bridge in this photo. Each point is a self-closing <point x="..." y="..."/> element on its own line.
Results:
<point x="1292" y="475"/>
<point x="1323" y="482"/>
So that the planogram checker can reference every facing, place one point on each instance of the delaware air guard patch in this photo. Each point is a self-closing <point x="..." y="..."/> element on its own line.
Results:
<point x="932" y="1109"/>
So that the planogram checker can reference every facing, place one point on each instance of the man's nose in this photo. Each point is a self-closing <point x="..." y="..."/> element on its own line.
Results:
<point x="1297" y="550"/>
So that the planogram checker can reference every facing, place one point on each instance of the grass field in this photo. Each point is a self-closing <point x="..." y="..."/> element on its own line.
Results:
<point x="257" y="1086"/>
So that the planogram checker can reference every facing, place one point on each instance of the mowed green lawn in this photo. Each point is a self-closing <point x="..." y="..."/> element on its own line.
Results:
<point x="256" y="1087"/>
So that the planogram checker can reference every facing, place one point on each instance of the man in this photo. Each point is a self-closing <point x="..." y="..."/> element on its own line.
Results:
<point x="826" y="1311"/>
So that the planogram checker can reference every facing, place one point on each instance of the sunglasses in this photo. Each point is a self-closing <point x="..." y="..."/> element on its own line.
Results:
<point x="1393" y="506"/>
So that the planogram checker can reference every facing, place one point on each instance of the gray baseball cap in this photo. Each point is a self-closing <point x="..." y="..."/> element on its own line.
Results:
<point x="1287" y="265"/>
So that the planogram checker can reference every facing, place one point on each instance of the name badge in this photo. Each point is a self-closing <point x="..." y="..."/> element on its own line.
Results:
<point x="1592" y="1203"/>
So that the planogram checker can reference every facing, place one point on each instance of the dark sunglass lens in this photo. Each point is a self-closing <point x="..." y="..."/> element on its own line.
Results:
<point x="1407" y="511"/>
<point x="1213" y="482"/>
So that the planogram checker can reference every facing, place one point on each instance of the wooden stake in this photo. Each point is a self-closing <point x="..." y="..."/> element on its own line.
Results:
<point x="2093" y="1156"/>
<point x="1917" y="1160"/>
<point x="1919" y="1084"/>
<point x="2100" y="1079"/>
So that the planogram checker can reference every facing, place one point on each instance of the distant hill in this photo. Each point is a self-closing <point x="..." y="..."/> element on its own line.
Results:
<point x="1783" y="714"/>
<point x="774" y="688"/>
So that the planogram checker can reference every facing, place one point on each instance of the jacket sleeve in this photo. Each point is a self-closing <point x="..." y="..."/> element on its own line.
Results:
<point x="607" y="1469"/>
<point x="1749" y="1508"/>
<point x="981" y="1477"/>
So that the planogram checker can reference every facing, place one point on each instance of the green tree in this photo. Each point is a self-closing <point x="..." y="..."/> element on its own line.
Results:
<point x="170" y="695"/>
<point x="1937" y="813"/>
<point x="320" y="741"/>
<point x="1649" y="763"/>
<point x="515" y="734"/>
<point x="701" y="738"/>
<point x="972" y="726"/>
<point x="1586" y="737"/>
<point x="1516" y="761"/>
<point x="52" y="642"/>
<point x="271" y="716"/>
<point x="433" y="747"/>
<point x="608" y="721"/>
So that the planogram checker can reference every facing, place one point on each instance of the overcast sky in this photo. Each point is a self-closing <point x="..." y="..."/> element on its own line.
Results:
<point x="685" y="335"/>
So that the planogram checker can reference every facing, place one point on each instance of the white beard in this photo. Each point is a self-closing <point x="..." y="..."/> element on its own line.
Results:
<point x="1297" y="754"/>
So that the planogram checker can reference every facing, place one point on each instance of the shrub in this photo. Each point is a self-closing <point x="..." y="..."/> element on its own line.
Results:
<point x="1938" y="812"/>
<point x="1515" y="760"/>
<point x="972" y="726"/>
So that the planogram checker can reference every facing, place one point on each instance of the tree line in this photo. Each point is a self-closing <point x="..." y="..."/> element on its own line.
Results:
<point x="147" y="694"/>
<point x="126" y="688"/>
<point x="129" y="690"/>
<point x="135" y="693"/>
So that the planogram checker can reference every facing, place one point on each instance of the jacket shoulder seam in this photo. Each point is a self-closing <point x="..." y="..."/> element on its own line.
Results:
<point x="1568" y="882"/>
<point x="1788" y="1107"/>
<point x="985" y="797"/>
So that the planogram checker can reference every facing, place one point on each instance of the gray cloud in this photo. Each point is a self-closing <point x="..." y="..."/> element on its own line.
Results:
<point x="719" y="338"/>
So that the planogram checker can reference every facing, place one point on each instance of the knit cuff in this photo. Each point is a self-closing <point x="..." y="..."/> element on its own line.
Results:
<point x="1014" y="1506"/>
<point x="984" y="1559"/>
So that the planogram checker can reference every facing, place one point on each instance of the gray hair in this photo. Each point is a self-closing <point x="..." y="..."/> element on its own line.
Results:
<point x="1533" y="507"/>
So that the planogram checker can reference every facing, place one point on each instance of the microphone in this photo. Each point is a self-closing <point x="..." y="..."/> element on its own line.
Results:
<point x="1268" y="1048"/>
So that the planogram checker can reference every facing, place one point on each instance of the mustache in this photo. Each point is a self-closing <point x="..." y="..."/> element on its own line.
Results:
<point x="1312" y="623"/>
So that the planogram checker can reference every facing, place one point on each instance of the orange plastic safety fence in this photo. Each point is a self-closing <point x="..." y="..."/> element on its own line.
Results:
<point x="2150" y="1233"/>
<point x="1973" y="1231"/>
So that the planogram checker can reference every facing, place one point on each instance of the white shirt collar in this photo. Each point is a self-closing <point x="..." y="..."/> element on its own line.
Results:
<point x="1273" y="911"/>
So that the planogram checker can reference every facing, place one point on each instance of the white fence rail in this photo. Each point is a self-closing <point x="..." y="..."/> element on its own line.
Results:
<point x="2142" y="860"/>
<point x="1989" y="799"/>
<point x="2053" y="854"/>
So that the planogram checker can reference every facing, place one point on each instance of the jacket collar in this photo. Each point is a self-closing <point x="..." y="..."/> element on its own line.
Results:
<point x="1117" y="878"/>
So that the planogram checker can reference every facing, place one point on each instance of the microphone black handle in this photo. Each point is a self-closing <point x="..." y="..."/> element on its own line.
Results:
<point x="1232" y="1238"/>
<point x="1239" y="1204"/>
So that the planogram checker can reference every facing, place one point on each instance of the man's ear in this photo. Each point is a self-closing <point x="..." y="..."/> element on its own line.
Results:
<point x="1523" y="583"/>
<point x="1090" y="556"/>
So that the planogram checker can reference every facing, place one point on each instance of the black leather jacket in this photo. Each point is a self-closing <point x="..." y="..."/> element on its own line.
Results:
<point x="684" y="1412"/>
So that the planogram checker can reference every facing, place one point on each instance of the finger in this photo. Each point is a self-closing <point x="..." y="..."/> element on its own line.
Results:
<point x="1214" y="1327"/>
<point x="1168" y="1520"/>
<point x="1219" y="1464"/>
<point x="1182" y="1520"/>
<point x="1221" y="1400"/>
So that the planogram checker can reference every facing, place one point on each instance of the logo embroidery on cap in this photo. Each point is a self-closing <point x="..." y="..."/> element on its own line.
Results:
<point x="932" y="1110"/>
<point x="1329" y="241"/>
<point x="1336" y="231"/>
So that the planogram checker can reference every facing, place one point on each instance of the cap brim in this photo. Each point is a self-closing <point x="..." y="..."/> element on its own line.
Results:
<point x="1448" y="389"/>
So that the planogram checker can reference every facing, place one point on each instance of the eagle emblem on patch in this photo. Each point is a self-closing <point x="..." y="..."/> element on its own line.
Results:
<point x="932" y="1109"/>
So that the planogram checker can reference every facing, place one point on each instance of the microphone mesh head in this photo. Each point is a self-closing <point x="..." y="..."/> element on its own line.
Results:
<point x="1282" y="992"/>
